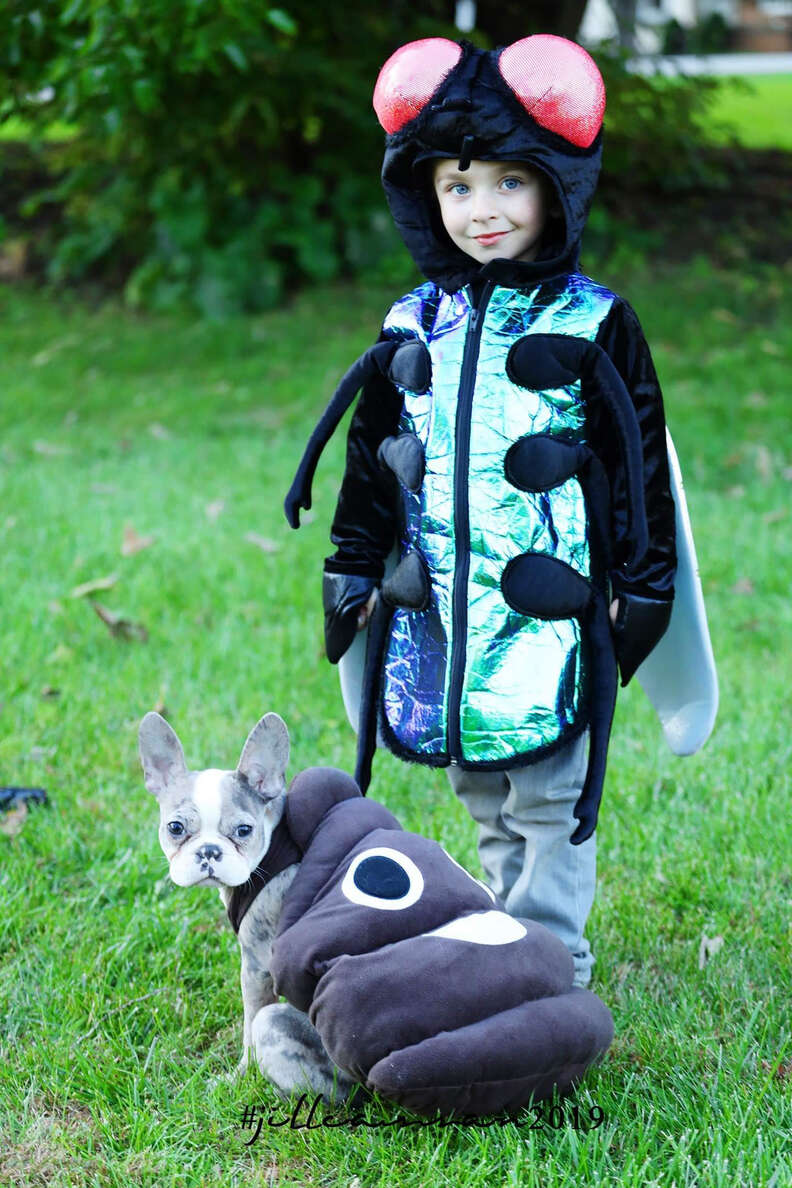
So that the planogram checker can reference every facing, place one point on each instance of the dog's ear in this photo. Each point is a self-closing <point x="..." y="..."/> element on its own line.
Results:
<point x="160" y="753"/>
<point x="265" y="756"/>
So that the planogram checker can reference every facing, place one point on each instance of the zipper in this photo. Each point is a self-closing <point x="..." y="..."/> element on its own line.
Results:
<point x="464" y="410"/>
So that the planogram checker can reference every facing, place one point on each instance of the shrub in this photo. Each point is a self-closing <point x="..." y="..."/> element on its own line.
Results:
<point x="224" y="149"/>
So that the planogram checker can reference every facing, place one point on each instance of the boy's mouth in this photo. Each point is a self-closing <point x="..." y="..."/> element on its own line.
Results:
<point x="493" y="237"/>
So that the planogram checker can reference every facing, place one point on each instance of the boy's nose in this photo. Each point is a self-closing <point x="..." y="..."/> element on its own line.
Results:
<point x="482" y="207"/>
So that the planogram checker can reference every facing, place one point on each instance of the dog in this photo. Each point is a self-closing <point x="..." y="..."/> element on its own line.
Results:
<point x="401" y="970"/>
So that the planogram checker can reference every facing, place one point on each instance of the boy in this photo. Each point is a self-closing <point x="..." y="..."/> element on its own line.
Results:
<point x="511" y="437"/>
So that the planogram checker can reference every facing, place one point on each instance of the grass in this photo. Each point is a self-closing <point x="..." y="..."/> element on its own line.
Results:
<point x="119" y="991"/>
<point x="755" y="109"/>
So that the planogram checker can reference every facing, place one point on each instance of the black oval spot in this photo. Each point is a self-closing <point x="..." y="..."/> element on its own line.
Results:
<point x="542" y="462"/>
<point x="382" y="877"/>
<point x="544" y="587"/>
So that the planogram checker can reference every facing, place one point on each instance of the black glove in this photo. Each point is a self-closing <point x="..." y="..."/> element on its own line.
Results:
<point x="343" y="594"/>
<point x="640" y="624"/>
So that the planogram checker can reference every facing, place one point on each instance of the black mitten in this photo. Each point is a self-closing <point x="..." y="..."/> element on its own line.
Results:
<point x="343" y="594"/>
<point x="640" y="624"/>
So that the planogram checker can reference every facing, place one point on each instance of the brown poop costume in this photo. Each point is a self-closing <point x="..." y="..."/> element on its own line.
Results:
<point x="418" y="982"/>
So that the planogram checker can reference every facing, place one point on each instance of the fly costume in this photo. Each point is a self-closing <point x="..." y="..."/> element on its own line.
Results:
<point x="510" y="438"/>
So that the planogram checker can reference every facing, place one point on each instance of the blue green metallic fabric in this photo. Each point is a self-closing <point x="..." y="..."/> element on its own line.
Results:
<point x="524" y="684"/>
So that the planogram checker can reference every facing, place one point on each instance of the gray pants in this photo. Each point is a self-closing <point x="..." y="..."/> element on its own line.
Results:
<point x="525" y="822"/>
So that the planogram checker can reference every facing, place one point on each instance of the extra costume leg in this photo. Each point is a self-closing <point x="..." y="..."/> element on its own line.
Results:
<point x="525" y="821"/>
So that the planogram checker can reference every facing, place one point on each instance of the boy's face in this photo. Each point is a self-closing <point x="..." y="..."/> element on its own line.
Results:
<point x="494" y="210"/>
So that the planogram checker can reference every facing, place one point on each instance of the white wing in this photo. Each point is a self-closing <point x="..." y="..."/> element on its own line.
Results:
<point x="679" y="675"/>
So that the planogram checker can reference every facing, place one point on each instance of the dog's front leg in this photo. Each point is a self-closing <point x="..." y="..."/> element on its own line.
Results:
<point x="257" y="992"/>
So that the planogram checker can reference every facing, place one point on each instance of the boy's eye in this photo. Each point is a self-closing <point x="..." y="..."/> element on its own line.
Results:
<point x="512" y="183"/>
<point x="459" y="188"/>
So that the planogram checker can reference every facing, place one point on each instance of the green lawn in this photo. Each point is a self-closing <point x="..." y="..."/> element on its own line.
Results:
<point x="757" y="110"/>
<point x="119" y="992"/>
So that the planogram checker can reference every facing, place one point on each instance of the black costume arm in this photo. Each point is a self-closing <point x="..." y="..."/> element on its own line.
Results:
<point x="364" y="525"/>
<point x="646" y="589"/>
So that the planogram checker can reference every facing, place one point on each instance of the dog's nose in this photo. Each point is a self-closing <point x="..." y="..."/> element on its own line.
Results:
<point x="208" y="854"/>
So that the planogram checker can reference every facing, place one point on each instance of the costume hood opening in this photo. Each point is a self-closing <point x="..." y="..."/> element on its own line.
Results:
<point x="539" y="101"/>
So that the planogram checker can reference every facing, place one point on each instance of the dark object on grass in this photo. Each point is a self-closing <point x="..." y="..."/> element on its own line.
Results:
<point x="10" y="794"/>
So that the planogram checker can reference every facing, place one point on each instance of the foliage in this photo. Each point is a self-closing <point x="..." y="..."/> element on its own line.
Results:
<point x="223" y="151"/>
<point x="657" y="127"/>
<point x="222" y="147"/>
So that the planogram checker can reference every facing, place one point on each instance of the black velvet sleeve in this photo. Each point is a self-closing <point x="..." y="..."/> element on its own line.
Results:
<point x="645" y="591"/>
<point x="653" y="577"/>
<point x="364" y="525"/>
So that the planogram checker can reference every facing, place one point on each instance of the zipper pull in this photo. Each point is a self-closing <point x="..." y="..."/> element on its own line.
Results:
<point x="475" y="314"/>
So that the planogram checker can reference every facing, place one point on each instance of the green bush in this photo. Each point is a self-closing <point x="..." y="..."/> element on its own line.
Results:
<point x="223" y="149"/>
<point x="657" y="128"/>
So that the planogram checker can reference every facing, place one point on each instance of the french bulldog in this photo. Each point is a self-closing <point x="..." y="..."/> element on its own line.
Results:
<point x="402" y="972"/>
<point x="215" y="828"/>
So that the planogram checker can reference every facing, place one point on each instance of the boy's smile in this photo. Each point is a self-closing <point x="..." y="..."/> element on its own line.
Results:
<point x="495" y="209"/>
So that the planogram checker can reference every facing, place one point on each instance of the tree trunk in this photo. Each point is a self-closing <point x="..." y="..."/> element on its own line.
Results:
<point x="505" y="21"/>
<point x="624" y="11"/>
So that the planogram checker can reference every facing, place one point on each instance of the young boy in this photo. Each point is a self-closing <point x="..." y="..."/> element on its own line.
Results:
<point x="510" y="438"/>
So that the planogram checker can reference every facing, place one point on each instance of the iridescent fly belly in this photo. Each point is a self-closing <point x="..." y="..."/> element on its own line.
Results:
<point x="469" y="679"/>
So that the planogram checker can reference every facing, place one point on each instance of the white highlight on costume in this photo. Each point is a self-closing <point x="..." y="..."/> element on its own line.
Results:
<point x="355" y="895"/>
<point x="482" y="928"/>
<point x="478" y="882"/>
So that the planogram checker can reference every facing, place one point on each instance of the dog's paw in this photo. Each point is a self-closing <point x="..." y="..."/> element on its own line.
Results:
<point x="290" y="1053"/>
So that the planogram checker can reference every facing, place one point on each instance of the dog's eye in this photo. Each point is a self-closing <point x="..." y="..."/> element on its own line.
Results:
<point x="243" y="830"/>
<point x="176" y="829"/>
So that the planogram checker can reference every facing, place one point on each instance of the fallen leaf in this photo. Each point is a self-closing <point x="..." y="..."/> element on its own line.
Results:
<point x="48" y="691"/>
<point x="772" y="517"/>
<point x="708" y="947"/>
<point x="215" y="509"/>
<point x="61" y="654"/>
<point x="733" y="459"/>
<point x="755" y="400"/>
<point x="725" y="315"/>
<point x="14" y="819"/>
<point x="118" y="626"/>
<point x="10" y="522"/>
<point x="160" y="707"/>
<point x="133" y="543"/>
<point x="764" y="462"/>
<point x="44" y="356"/>
<point x="54" y="607"/>
<point x="48" y="450"/>
<point x="159" y="431"/>
<point x="770" y="348"/>
<point x="736" y="492"/>
<point x="71" y="418"/>
<point x="743" y="586"/>
<point x="262" y="542"/>
<point x="103" y="583"/>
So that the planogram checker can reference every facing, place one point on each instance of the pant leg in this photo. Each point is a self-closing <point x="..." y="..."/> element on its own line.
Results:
<point x="525" y="822"/>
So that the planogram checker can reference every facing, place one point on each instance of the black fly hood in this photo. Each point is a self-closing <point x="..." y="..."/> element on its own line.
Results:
<point x="540" y="101"/>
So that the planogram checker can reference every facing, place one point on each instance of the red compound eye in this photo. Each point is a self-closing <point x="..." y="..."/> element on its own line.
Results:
<point x="558" y="83"/>
<point x="410" y="77"/>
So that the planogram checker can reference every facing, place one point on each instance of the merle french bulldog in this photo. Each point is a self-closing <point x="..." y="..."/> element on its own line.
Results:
<point x="401" y="971"/>
<point x="215" y="827"/>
